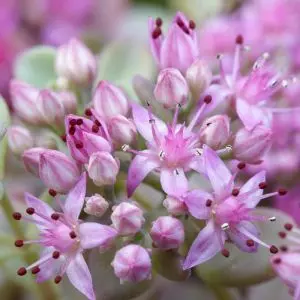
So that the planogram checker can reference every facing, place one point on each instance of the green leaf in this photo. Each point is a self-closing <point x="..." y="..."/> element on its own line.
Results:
<point x="244" y="269"/>
<point x="36" y="66"/>
<point x="4" y="121"/>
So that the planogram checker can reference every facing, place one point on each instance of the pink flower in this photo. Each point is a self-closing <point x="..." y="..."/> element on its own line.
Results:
<point x="64" y="238"/>
<point x="229" y="212"/>
<point x="19" y="139"/>
<point x="179" y="48"/>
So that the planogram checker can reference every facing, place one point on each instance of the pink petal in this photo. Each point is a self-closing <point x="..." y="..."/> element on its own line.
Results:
<point x="207" y="244"/>
<point x="252" y="115"/>
<point x="96" y="235"/>
<point x="173" y="182"/>
<point x="155" y="44"/>
<point x="240" y="239"/>
<point x="253" y="198"/>
<point x="80" y="276"/>
<point x="139" y="168"/>
<point x="196" y="204"/>
<point x="94" y="143"/>
<point x="141" y="119"/>
<point x="197" y="164"/>
<point x="216" y="170"/>
<point x="75" y="199"/>
<point x="297" y="291"/>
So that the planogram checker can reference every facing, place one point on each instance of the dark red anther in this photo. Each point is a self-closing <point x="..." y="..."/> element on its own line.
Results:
<point x="207" y="99"/>
<point x="79" y="122"/>
<point x="225" y="253"/>
<point x="239" y="40"/>
<point x="262" y="185"/>
<point x="95" y="128"/>
<point x="208" y="203"/>
<point x="158" y="22"/>
<point x="288" y="226"/>
<point x="73" y="235"/>
<point x="19" y="243"/>
<point x="277" y="261"/>
<point x="52" y="192"/>
<point x="185" y="29"/>
<point x="22" y="271"/>
<point x="96" y="122"/>
<point x="192" y="24"/>
<point x="72" y="130"/>
<point x="30" y="210"/>
<point x="73" y="122"/>
<point x="282" y="192"/>
<point x="180" y="23"/>
<point x="250" y="243"/>
<point x="79" y="145"/>
<point x="17" y="216"/>
<point x="241" y="165"/>
<point x="235" y="192"/>
<point x="283" y="248"/>
<point x="156" y="33"/>
<point x="57" y="279"/>
<point x="56" y="254"/>
<point x="282" y="234"/>
<point x="273" y="249"/>
<point x="35" y="270"/>
<point x="64" y="138"/>
<point x="88" y="112"/>
<point x="55" y="216"/>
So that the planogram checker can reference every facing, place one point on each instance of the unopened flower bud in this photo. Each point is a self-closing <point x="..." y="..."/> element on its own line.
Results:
<point x="215" y="131"/>
<point x="132" y="263"/>
<point x="96" y="205"/>
<point x="171" y="88"/>
<point x="198" y="77"/>
<point x="167" y="233"/>
<point x="127" y="218"/>
<point x="46" y="139"/>
<point x="50" y="107"/>
<point x="174" y="205"/>
<point x="110" y="100"/>
<point x="75" y="62"/>
<point x="103" y="168"/>
<point x="250" y="146"/>
<point x="58" y="171"/>
<point x="31" y="160"/>
<point x="19" y="139"/>
<point x="24" y="99"/>
<point x="69" y="102"/>
<point x="122" y="130"/>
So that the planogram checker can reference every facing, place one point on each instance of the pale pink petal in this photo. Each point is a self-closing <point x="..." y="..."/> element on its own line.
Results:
<point x="155" y="44"/>
<point x="80" y="276"/>
<point x="94" y="143"/>
<point x="96" y="235"/>
<point x="139" y="168"/>
<point x="173" y="182"/>
<point x="297" y="291"/>
<point x="197" y="164"/>
<point x="252" y="190"/>
<point x="216" y="170"/>
<point x="240" y="240"/>
<point x="196" y="203"/>
<point x="207" y="244"/>
<point x="75" y="199"/>
<point x="141" y="120"/>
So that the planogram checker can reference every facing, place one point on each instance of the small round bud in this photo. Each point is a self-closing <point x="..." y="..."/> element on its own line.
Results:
<point x="96" y="205"/>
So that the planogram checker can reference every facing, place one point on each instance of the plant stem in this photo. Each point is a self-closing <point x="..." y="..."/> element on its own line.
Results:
<point x="221" y="293"/>
<point x="45" y="290"/>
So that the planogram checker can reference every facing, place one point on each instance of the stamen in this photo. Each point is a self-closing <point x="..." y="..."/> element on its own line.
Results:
<point x="73" y="122"/>
<point x="17" y="216"/>
<point x="88" y="112"/>
<point x="64" y="138"/>
<point x="35" y="270"/>
<point x="72" y="130"/>
<point x="239" y="40"/>
<point x="55" y="216"/>
<point x="158" y="22"/>
<point x="282" y="234"/>
<point x="30" y="210"/>
<point x="272" y="219"/>
<point x="207" y="100"/>
<point x="208" y="203"/>
<point x="79" y="145"/>
<point x="225" y="253"/>
<point x="262" y="185"/>
<point x="79" y="122"/>
<point x="273" y="249"/>
<point x="241" y="165"/>
<point x="96" y="122"/>
<point x="199" y="151"/>
<point x="52" y="192"/>
<point x="95" y="128"/>
<point x="22" y="271"/>
<point x="73" y="235"/>
<point x="283" y="248"/>
<point x="288" y="226"/>
<point x="192" y="24"/>
<point x="250" y="243"/>
<point x="156" y="33"/>
<point x="237" y="56"/>
<point x="56" y="254"/>
<point x="162" y="154"/>
<point x="277" y="261"/>
<point x="125" y="148"/>
<point x="57" y="279"/>
<point x="225" y="226"/>
<point x="19" y="243"/>
<point x="235" y="192"/>
<point x="282" y="192"/>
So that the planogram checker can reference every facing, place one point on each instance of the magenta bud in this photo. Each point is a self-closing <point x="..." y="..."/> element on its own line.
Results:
<point x="167" y="233"/>
<point x="103" y="168"/>
<point x="198" y="77"/>
<point x="171" y="88"/>
<point x="19" y="139"/>
<point x="132" y="263"/>
<point x="51" y="107"/>
<point x="58" y="171"/>
<point x="175" y="206"/>
<point x="76" y="63"/>
<point x="69" y="102"/>
<point x="96" y="205"/>
<point x="24" y="97"/>
<point x="110" y="100"/>
<point x="122" y="130"/>
<point x="215" y="131"/>
<point x="250" y="146"/>
<point x="127" y="218"/>
<point x="31" y="160"/>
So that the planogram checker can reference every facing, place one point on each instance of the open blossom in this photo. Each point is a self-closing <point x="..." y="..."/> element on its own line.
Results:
<point x="64" y="238"/>
<point x="179" y="48"/>
<point x="229" y="212"/>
